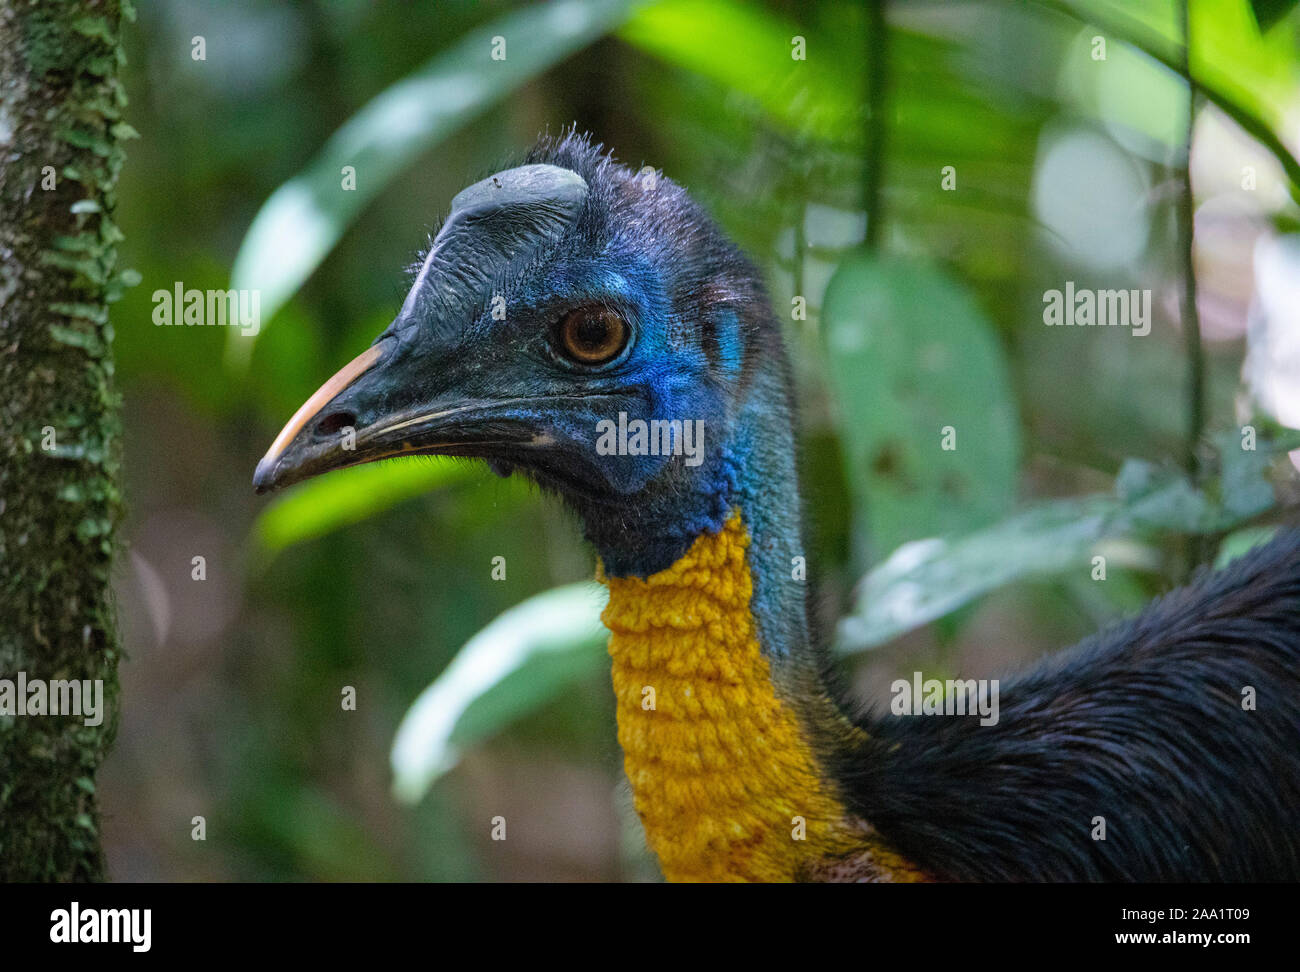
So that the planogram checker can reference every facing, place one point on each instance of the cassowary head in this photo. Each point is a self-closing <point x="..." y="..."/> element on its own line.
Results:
<point x="578" y="321"/>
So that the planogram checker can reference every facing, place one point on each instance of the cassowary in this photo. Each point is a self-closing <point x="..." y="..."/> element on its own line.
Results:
<point x="568" y="305"/>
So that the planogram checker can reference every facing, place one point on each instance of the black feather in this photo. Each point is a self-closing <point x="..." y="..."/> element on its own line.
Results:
<point x="1143" y="725"/>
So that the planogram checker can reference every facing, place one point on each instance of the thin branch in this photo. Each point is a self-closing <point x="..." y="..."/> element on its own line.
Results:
<point x="800" y="244"/>
<point x="1186" y="238"/>
<point x="877" y="38"/>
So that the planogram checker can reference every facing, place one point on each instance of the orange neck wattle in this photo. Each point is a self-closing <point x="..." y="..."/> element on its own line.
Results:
<point x="723" y="778"/>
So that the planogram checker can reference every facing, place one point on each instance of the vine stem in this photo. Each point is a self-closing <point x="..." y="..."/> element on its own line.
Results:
<point x="877" y="38"/>
<point x="1186" y="237"/>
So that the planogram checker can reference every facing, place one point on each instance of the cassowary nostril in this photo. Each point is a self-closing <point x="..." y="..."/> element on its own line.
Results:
<point x="335" y="422"/>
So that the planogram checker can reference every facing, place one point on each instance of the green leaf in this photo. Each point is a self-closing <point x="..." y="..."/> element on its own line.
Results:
<point x="1242" y="542"/>
<point x="303" y="219"/>
<point x="910" y="354"/>
<point x="1269" y="13"/>
<point x="94" y="27"/>
<point x="320" y="506"/>
<point x="928" y="579"/>
<point x="526" y="657"/>
<point x="748" y="50"/>
<point x="1245" y="487"/>
<point x="1249" y="77"/>
<point x="1162" y="498"/>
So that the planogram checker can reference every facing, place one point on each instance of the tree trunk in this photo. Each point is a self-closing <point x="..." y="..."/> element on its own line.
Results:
<point x="60" y="134"/>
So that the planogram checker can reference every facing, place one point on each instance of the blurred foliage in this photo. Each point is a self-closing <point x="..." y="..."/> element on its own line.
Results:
<point x="323" y="505"/>
<point x="934" y="364"/>
<point x="525" y="657"/>
<point x="927" y="579"/>
<point x="1066" y="168"/>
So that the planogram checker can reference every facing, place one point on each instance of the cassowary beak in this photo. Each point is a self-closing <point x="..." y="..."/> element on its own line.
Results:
<point x="351" y="419"/>
<point x="395" y="399"/>
<point x="368" y="412"/>
<point x="389" y="402"/>
<point x="303" y="448"/>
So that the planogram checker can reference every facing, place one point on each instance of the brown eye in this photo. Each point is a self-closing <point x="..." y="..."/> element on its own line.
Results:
<point x="592" y="335"/>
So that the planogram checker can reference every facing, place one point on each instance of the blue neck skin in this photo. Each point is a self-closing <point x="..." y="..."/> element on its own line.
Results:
<point x="753" y="471"/>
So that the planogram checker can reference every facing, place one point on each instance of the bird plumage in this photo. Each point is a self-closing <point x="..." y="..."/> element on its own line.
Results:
<point x="747" y="765"/>
<point x="1180" y="729"/>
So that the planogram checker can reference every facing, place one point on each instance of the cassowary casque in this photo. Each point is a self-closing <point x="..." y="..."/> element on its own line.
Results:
<point x="590" y="327"/>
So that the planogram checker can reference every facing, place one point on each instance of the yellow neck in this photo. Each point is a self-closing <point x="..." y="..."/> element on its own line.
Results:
<point x="724" y="780"/>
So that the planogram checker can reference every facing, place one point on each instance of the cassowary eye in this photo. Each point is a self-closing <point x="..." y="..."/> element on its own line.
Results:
<point x="592" y="335"/>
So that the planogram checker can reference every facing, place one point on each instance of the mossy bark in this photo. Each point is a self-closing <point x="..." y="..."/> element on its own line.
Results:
<point x="60" y="151"/>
